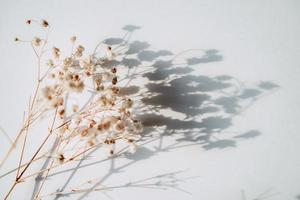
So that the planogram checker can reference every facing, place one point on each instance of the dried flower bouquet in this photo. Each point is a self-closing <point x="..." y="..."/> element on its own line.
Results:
<point x="103" y="120"/>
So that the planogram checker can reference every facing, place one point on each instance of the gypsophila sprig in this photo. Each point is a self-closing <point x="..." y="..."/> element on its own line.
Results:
<point x="104" y="121"/>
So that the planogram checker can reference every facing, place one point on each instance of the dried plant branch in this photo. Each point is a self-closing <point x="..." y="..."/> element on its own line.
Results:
<point x="24" y="143"/>
<point x="103" y="121"/>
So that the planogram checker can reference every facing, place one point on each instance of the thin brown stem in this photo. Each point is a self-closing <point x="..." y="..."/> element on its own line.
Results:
<point x="11" y="189"/>
<point x="23" y="165"/>
<point x="24" y="143"/>
<point x="41" y="146"/>
<point x="67" y="161"/>
<point x="18" y="178"/>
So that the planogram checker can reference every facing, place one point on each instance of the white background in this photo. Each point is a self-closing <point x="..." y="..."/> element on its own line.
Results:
<point x="257" y="41"/>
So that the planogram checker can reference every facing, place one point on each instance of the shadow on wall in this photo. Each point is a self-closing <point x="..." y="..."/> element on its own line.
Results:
<point x="204" y="106"/>
<point x="266" y="194"/>
<point x="208" y="103"/>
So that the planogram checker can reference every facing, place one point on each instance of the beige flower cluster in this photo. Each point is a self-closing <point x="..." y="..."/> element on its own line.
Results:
<point x="107" y="118"/>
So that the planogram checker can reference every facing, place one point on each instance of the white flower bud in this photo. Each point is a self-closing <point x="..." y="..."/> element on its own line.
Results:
<point x="73" y="39"/>
<point x="36" y="41"/>
<point x="127" y="103"/>
<point x="50" y="63"/>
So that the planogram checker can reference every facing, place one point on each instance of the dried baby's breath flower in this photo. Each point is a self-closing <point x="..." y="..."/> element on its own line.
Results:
<point x="99" y="88"/>
<point x="55" y="52"/>
<point x="28" y="21"/>
<point x="106" y="123"/>
<point x="50" y="63"/>
<point x="56" y="102"/>
<point x="73" y="82"/>
<point x="45" y="23"/>
<point x="110" y="54"/>
<point x="138" y="126"/>
<point x="127" y="103"/>
<point x="48" y="93"/>
<point x="119" y="126"/>
<point x="107" y="101"/>
<point x="92" y="123"/>
<point x="114" y="70"/>
<point x="36" y="41"/>
<point x="67" y="62"/>
<point x="106" y="118"/>
<point x="97" y="79"/>
<point x="111" y="152"/>
<point x="111" y="147"/>
<point x="61" y="113"/>
<point x="75" y="108"/>
<point x="114" y="80"/>
<point x="52" y="96"/>
<point x="77" y="120"/>
<point x="88" y="66"/>
<point x="75" y="85"/>
<point x="73" y="39"/>
<point x="61" y="158"/>
<point x="91" y="142"/>
<point x="52" y="75"/>
<point x="115" y="90"/>
<point x="79" y="50"/>
<point x="85" y="132"/>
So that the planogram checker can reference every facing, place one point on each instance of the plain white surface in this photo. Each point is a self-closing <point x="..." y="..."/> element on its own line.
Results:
<point x="211" y="154"/>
